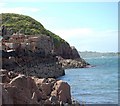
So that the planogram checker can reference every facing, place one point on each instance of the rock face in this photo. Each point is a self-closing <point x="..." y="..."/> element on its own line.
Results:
<point x="65" y="51"/>
<point x="37" y="56"/>
<point x="34" y="66"/>
<point x="41" y="45"/>
<point x="62" y="91"/>
<point x="31" y="55"/>
<point x="75" y="54"/>
<point x="21" y="89"/>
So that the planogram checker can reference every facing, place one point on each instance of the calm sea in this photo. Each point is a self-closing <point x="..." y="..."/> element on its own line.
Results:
<point x="95" y="85"/>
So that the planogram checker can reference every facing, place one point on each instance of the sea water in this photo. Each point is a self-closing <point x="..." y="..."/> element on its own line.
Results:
<point x="95" y="85"/>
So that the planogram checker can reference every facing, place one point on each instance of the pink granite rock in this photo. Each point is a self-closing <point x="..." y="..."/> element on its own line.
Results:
<point x="62" y="91"/>
<point x="31" y="90"/>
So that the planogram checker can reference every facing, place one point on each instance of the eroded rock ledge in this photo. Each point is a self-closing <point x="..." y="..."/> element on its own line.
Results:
<point x="72" y="63"/>
<point x="34" y="66"/>
<point x="21" y="89"/>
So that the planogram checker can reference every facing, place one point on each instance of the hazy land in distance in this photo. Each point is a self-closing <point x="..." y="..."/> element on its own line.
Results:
<point x="90" y="54"/>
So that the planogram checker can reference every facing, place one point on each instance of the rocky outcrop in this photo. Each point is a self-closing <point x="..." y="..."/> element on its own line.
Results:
<point x="69" y="57"/>
<point x="75" y="54"/>
<point x="72" y="63"/>
<point x="21" y="89"/>
<point x="31" y="55"/>
<point x="41" y="45"/>
<point x="65" y="51"/>
<point x="36" y="56"/>
<point x="33" y="39"/>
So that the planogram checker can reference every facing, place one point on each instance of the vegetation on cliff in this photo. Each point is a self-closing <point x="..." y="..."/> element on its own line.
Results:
<point x="22" y="24"/>
<point x="27" y="25"/>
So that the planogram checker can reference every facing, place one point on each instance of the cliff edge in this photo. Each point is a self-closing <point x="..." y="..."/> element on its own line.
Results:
<point x="29" y="48"/>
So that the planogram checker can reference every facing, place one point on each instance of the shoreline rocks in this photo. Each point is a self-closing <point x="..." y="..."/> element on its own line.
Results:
<point x="72" y="63"/>
<point x="21" y="89"/>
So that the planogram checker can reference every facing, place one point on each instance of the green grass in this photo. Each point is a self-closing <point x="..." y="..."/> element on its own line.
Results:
<point x="28" y="26"/>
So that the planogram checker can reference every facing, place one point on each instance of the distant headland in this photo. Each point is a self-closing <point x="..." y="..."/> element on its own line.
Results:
<point x="89" y="54"/>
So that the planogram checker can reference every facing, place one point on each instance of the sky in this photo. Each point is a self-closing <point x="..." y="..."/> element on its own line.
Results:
<point x="89" y="26"/>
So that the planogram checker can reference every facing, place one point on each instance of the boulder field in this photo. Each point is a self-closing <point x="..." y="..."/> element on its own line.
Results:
<point x="21" y="89"/>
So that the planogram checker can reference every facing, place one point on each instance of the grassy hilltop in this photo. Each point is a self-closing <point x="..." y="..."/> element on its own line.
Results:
<point x="27" y="25"/>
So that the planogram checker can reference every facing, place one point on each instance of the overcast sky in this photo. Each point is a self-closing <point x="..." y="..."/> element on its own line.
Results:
<point x="91" y="26"/>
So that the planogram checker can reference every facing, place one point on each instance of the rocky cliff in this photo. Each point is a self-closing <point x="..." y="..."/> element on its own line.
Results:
<point x="30" y="52"/>
<point x="35" y="54"/>
<point x="21" y="24"/>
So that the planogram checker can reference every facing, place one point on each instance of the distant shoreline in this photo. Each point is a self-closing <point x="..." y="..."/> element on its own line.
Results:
<point x="90" y="54"/>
